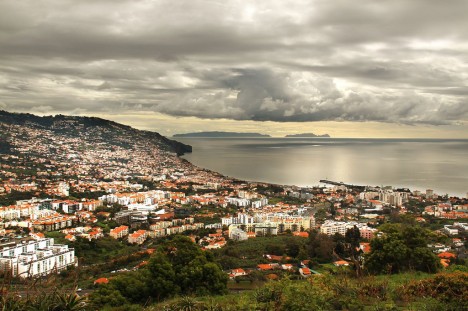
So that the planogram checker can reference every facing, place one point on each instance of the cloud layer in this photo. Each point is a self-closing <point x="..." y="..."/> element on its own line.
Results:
<point x="387" y="61"/>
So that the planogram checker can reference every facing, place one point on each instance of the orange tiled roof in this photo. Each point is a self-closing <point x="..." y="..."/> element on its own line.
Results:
<point x="447" y="255"/>
<point x="101" y="281"/>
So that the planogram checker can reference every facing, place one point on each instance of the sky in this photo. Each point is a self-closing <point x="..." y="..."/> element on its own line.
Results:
<point x="388" y="68"/>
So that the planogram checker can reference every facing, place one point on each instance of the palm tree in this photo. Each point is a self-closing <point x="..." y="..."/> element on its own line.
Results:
<point x="69" y="302"/>
<point x="188" y="304"/>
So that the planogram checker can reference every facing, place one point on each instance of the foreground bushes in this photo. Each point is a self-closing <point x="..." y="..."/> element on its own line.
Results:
<point x="448" y="288"/>
<point x="445" y="291"/>
<point x="325" y="292"/>
<point x="44" y="301"/>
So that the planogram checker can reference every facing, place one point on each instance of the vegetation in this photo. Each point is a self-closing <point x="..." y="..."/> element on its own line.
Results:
<point x="101" y="251"/>
<point x="405" y="291"/>
<point x="401" y="248"/>
<point x="177" y="267"/>
<point x="57" y="300"/>
<point x="340" y="292"/>
<point x="249" y="253"/>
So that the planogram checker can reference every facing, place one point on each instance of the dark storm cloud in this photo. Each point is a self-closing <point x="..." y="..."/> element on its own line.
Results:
<point x="389" y="61"/>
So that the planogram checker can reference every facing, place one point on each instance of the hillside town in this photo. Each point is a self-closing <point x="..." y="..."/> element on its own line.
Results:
<point x="230" y="209"/>
<point x="59" y="191"/>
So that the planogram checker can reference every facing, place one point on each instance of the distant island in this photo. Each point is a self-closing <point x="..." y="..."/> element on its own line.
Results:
<point x="221" y="134"/>
<point x="306" y="135"/>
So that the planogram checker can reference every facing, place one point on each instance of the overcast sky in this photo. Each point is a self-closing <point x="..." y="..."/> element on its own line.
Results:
<point x="388" y="68"/>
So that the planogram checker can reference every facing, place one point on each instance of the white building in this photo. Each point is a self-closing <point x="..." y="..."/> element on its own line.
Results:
<point x="330" y="227"/>
<point x="451" y="230"/>
<point x="36" y="258"/>
<point x="145" y="209"/>
<point x="260" y="203"/>
<point x="429" y="193"/>
<point x="226" y="221"/>
<point x="238" y="234"/>
<point x="238" y="201"/>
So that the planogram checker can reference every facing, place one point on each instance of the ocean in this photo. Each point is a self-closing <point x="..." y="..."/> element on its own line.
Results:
<point x="418" y="164"/>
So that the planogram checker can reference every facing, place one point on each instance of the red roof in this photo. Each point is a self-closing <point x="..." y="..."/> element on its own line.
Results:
<point x="447" y="255"/>
<point x="305" y="271"/>
<point x="341" y="263"/>
<point x="101" y="281"/>
<point x="301" y="234"/>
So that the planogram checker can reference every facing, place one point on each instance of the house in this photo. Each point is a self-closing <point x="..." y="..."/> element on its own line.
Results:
<point x="447" y="255"/>
<point x="341" y="263"/>
<point x="268" y="266"/>
<point x="275" y="257"/>
<point x="287" y="266"/>
<point x="305" y="263"/>
<point x="237" y="272"/>
<point x="301" y="234"/>
<point x="305" y="272"/>
<point x="216" y="244"/>
<point x="95" y="234"/>
<point x="70" y="237"/>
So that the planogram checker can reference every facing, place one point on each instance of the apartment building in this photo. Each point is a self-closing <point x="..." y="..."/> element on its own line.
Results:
<point x="36" y="258"/>
<point x="119" y="232"/>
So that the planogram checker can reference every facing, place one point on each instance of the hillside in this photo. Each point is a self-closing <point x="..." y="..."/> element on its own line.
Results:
<point x="69" y="147"/>
<point x="215" y="134"/>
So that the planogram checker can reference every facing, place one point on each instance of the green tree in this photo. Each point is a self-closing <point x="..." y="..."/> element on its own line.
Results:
<point x="401" y="248"/>
<point x="107" y="295"/>
<point x="320" y="246"/>
<point x="162" y="277"/>
<point x="194" y="271"/>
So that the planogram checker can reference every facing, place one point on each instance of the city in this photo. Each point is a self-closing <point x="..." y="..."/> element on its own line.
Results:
<point x="79" y="185"/>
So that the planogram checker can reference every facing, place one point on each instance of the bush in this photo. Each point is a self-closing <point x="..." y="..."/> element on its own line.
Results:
<point x="445" y="287"/>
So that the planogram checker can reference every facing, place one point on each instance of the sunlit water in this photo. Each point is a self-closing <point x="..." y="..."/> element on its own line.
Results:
<point x="441" y="165"/>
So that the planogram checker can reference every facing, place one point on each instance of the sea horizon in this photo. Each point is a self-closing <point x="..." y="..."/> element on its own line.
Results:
<point x="414" y="163"/>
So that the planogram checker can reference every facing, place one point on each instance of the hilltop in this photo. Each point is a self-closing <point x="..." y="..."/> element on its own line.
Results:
<point x="80" y="127"/>
<point x="222" y="134"/>
<point x="41" y="149"/>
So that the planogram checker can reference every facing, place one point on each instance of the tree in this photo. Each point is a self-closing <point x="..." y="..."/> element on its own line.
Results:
<point x="177" y="267"/>
<point x="194" y="271"/>
<point x="163" y="277"/>
<point x="320" y="246"/>
<point x="353" y="236"/>
<point x="401" y="248"/>
<point x="351" y="248"/>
